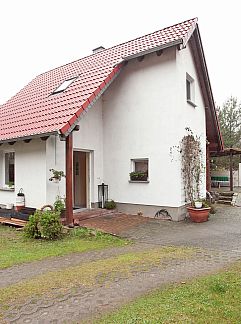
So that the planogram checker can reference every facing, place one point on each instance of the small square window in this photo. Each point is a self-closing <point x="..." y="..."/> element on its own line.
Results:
<point x="63" y="86"/>
<point x="139" y="170"/>
<point x="190" y="90"/>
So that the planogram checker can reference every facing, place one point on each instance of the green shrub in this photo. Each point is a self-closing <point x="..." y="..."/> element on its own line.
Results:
<point x="110" y="204"/>
<point x="59" y="204"/>
<point x="31" y="229"/>
<point x="50" y="225"/>
<point x="44" y="224"/>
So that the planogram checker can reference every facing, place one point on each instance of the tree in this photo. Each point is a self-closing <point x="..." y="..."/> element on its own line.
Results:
<point x="230" y="124"/>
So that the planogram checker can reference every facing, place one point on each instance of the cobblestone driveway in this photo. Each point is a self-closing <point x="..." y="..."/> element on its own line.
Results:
<point x="220" y="240"/>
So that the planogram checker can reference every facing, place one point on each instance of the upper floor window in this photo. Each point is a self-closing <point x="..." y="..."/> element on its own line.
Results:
<point x="190" y="90"/>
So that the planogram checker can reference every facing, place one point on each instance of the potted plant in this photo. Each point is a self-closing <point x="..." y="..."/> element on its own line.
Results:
<point x="57" y="175"/>
<point x="193" y="170"/>
<point x="138" y="176"/>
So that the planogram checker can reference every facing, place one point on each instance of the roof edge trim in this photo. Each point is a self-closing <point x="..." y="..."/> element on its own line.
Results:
<point x="34" y="136"/>
<point x="108" y="80"/>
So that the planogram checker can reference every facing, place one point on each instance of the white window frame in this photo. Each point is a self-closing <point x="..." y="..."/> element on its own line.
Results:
<point x="191" y="96"/>
<point x="5" y="185"/>
<point x="133" y="161"/>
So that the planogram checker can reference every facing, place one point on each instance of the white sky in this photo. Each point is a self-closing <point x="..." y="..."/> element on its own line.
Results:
<point x="38" y="35"/>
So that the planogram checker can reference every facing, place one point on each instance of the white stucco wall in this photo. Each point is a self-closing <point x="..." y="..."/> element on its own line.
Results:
<point x="189" y="116"/>
<point x="90" y="139"/>
<point x="30" y="172"/>
<point x="144" y="114"/>
<point x="55" y="159"/>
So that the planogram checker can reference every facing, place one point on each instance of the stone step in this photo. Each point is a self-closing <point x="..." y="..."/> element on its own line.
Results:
<point x="92" y="213"/>
<point x="225" y="202"/>
<point x="225" y="198"/>
<point x="227" y="193"/>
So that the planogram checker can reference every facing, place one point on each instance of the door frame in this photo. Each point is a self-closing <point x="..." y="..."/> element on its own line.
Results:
<point x="88" y="175"/>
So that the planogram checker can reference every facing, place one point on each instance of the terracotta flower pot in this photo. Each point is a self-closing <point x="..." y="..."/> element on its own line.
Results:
<point x="198" y="215"/>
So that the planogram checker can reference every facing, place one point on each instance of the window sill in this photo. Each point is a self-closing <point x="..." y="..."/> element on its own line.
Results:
<point x="139" y="181"/>
<point x="191" y="103"/>
<point x="7" y="189"/>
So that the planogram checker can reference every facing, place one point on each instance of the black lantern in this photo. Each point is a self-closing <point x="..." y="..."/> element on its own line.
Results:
<point x="102" y="195"/>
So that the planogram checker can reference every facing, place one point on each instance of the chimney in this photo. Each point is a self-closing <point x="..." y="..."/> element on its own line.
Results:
<point x="98" y="49"/>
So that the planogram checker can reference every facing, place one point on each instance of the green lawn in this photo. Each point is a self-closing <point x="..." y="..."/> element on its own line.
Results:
<point x="15" y="249"/>
<point x="212" y="299"/>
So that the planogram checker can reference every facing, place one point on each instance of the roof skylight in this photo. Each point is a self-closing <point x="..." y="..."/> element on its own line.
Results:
<point x="63" y="86"/>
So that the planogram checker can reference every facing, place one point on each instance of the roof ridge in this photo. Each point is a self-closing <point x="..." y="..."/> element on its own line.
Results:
<point x="109" y="48"/>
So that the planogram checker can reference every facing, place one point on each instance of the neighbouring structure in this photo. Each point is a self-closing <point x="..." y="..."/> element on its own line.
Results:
<point x="106" y="115"/>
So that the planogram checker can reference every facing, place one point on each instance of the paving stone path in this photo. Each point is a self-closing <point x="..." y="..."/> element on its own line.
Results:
<point x="219" y="241"/>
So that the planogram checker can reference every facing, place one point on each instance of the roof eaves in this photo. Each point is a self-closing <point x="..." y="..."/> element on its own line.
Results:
<point x="29" y="137"/>
<point x="154" y="49"/>
<point x="209" y="90"/>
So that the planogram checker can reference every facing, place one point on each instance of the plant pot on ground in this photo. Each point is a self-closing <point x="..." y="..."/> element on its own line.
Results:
<point x="199" y="215"/>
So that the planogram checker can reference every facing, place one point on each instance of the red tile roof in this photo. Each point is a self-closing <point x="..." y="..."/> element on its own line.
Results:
<point x="34" y="111"/>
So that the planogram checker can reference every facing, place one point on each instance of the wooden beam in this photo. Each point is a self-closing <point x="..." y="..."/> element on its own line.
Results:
<point x="140" y="58"/>
<point x="77" y="127"/>
<point x="69" y="179"/>
<point x="208" y="170"/>
<point x="159" y="53"/>
<point x="231" y="171"/>
<point x="44" y="138"/>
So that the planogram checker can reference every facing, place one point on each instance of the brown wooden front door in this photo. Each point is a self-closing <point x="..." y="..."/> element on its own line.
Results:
<point x="80" y="170"/>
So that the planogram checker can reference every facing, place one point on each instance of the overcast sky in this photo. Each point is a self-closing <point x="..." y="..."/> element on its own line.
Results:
<point x="36" y="36"/>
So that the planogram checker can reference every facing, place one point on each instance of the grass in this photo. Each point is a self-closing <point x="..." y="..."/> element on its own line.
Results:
<point x="15" y="249"/>
<point x="212" y="299"/>
<point x="89" y="274"/>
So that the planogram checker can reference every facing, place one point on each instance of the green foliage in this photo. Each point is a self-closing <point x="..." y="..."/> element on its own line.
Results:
<point x="138" y="176"/>
<point x="44" y="224"/>
<point x="230" y="124"/>
<point x="56" y="174"/>
<point x="50" y="225"/>
<point x="110" y="204"/>
<point x="59" y="204"/>
<point x="31" y="229"/>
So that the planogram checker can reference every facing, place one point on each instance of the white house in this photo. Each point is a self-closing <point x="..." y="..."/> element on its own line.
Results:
<point x="99" y="118"/>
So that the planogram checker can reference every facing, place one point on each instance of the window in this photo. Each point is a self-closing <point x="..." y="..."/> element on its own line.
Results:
<point x="64" y="85"/>
<point x="9" y="168"/>
<point x="190" y="90"/>
<point x="139" y="170"/>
